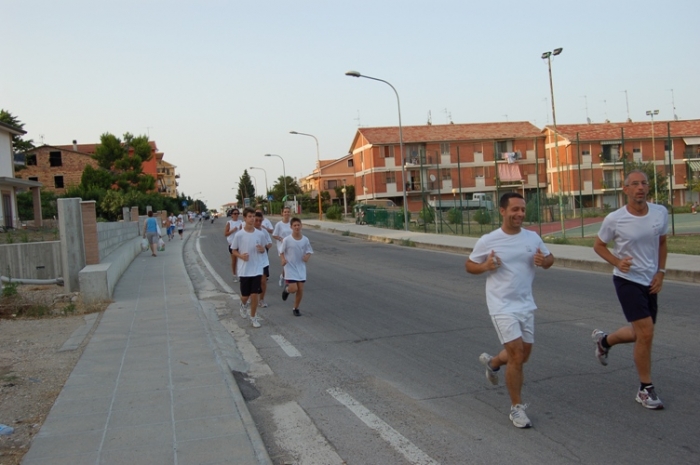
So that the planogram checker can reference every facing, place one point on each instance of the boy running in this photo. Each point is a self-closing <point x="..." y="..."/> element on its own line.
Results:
<point x="294" y="253"/>
<point x="249" y="246"/>
<point x="282" y="229"/>
<point x="265" y="258"/>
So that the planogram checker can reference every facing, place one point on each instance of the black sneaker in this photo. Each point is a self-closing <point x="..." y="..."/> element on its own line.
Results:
<point x="285" y="294"/>
<point x="296" y="312"/>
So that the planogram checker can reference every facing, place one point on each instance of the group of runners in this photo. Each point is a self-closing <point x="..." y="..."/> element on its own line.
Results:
<point x="249" y="241"/>
<point x="511" y="254"/>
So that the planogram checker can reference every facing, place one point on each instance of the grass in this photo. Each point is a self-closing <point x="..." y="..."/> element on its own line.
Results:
<point x="29" y="235"/>
<point x="689" y="245"/>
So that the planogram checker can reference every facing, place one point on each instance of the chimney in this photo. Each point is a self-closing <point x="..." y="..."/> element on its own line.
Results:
<point x="75" y="145"/>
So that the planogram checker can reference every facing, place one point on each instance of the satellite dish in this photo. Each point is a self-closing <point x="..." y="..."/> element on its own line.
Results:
<point x="432" y="177"/>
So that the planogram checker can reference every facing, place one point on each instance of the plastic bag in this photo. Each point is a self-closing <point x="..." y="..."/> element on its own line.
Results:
<point x="144" y="244"/>
<point x="161" y="245"/>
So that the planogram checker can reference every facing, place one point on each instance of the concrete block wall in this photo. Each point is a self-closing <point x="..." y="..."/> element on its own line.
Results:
<point x="112" y="235"/>
<point x="90" y="241"/>
<point x="31" y="260"/>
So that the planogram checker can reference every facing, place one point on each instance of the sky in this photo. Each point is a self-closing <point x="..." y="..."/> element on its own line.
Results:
<point x="219" y="84"/>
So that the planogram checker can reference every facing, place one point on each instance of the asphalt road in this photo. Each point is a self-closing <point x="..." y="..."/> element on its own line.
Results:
<point x="398" y="330"/>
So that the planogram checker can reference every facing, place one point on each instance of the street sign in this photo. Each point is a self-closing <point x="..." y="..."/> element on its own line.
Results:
<point x="184" y="203"/>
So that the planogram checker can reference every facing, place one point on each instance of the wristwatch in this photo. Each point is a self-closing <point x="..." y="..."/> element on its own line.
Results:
<point x="661" y="270"/>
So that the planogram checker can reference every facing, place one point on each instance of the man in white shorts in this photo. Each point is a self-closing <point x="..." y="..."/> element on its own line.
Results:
<point x="509" y="255"/>
<point x="282" y="229"/>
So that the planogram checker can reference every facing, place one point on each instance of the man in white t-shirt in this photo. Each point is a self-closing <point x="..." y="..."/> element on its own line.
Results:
<point x="266" y="224"/>
<point x="265" y="258"/>
<point x="171" y="228"/>
<point x="639" y="257"/>
<point x="249" y="246"/>
<point x="294" y="253"/>
<point x="510" y="256"/>
<point x="233" y="225"/>
<point x="282" y="229"/>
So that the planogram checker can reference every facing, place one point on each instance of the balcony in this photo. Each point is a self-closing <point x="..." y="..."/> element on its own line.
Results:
<point x="422" y="159"/>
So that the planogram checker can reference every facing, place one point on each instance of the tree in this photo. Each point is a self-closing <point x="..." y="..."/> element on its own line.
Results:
<point x="19" y="145"/>
<point x="126" y="168"/>
<point x="349" y="193"/>
<point x="277" y="190"/>
<point x="246" y="190"/>
<point x="109" y="151"/>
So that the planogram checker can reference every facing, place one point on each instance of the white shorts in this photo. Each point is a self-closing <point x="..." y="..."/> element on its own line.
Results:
<point x="511" y="326"/>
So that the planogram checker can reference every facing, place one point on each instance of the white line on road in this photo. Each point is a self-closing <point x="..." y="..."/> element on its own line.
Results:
<point x="389" y="434"/>
<point x="287" y="346"/>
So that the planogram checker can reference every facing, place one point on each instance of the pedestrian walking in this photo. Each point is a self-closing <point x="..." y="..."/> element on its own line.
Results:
<point x="638" y="231"/>
<point x="180" y="225"/>
<point x="282" y="229"/>
<point x="265" y="258"/>
<point x="510" y="256"/>
<point x="172" y="221"/>
<point x="233" y="225"/>
<point x="151" y="232"/>
<point x="248" y="246"/>
<point x="294" y="254"/>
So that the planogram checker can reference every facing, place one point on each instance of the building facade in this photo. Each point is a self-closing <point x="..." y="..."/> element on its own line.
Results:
<point x="167" y="178"/>
<point x="329" y="175"/>
<point x="56" y="168"/>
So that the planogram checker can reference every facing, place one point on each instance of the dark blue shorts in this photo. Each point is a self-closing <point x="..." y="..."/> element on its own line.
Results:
<point x="636" y="300"/>
<point x="250" y="285"/>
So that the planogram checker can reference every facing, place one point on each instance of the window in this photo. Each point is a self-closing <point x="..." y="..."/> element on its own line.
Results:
<point x="350" y="163"/>
<point x="390" y="177"/>
<point x="445" y="148"/>
<point x="33" y="178"/>
<point x="636" y="150"/>
<point x="389" y="151"/>
<point x="31" y="160"/>
<point x="503" y="146"/>
<point x="331" y="184"/>
<point x="585" y="152"/>
<point x="55" y="159"/>
<point x="666" y="146"/>
<point x="446" y="174"/>
<point x="58" y="182"/>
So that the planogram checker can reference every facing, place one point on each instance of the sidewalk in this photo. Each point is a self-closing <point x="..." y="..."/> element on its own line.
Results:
<point x="679" y="267"/>
<point x="153" y="385"/>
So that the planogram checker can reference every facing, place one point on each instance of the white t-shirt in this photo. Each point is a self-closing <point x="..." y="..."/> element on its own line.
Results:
<point x="268" y="240"/>
<point x="173" y="220"/>
<point x="636" y="237"/>
<point x="180" y="223"/>
<point x="294" y="251"/>
<point x="231" y="225"/>
<point x="509" y="288"/>
<point x="282" y="230"/>
<point x="266" y="224"/>
<point x="245" y="242"/>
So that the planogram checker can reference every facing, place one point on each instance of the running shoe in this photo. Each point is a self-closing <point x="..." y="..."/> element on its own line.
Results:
<point x="519" y="417"/>
<point x="285" y="294"/>
<point x="262" y="304"/>
<point x="244" y="310"/>
<point x="235" y="278"/>
<point x="648" y="398"/>
<point x="491" y="374"/>
<point x="296" y="312"/>
<point x="255" y="321"/>
<point x="601" y="353"/>
<point x="281" y="281"/>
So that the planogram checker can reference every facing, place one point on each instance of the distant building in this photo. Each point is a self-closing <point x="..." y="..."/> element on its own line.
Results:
<point x="55" y="167"/>
<point x="330" y="174"/>
<point x="167" y="178"/>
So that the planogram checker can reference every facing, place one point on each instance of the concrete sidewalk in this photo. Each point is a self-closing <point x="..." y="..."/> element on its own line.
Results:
<point x="679" y="267"/>
<point x="153" y="385"/>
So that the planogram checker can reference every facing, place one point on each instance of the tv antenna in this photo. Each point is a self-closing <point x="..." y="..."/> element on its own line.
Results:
<point x="627" y="102"/>
<point x="358" y="119"/>
<point x="585" y="99"/>
<point x="448" y="116"/>
<point x="673" y="102"/>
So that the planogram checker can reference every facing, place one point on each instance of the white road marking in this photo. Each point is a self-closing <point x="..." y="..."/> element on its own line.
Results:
<point x="287" y="346"/>
<point x="297" y="434"/>
<point x="389" y="434"/>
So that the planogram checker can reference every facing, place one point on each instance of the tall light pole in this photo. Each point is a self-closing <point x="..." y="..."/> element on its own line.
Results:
<point x="403" y="164"/>
<point x="653" y="152"/>
<point x="284" y="171"/>
<point x="267" y="190"/>
<point x="548" y="56"/>
<point x="345" y="198"/>
<point x="318" y="160"/>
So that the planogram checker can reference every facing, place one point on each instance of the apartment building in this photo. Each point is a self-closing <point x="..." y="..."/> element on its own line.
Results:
<point x="329" y="175"/>
<point x="55" y="168"/>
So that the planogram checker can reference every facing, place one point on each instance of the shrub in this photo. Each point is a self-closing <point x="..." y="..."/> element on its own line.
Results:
<point x="334" y="213"/>
<point x="427" y="214"/>
<point x="482" y="216"/>
<point x="454" y="216"/>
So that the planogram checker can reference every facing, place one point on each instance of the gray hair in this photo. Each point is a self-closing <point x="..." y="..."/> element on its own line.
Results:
<point x="627" y="178"/>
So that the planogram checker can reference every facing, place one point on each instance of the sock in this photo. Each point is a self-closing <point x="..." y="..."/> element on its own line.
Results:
<point x="604" y="342"/>
<point x="643" y="386"/>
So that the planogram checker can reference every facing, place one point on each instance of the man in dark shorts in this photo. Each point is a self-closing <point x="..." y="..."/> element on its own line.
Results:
<point x="265" y="258"/>
<point x="639" y="257"/>
<point x="249" y="246"/>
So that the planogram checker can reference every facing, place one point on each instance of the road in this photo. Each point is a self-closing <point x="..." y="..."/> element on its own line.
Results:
<point x="385" y="369"/>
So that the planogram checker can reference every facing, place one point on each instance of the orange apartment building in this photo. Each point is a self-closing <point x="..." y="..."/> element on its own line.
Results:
<point x="55" y="167"/>
<point x="330" y="174"/>
<point x="446" y="163"/>
<point x="604" y="149"/>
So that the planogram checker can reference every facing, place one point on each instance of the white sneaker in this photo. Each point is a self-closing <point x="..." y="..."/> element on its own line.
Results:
<point x="491" y="375"/>
<point x="235" y="278"/>
<point x="244" y="310"/>
<point x="255" y="321"/>
<point x="281" y="281"/>
<point x="262" y="304"/>
<point x="518" y="416"/>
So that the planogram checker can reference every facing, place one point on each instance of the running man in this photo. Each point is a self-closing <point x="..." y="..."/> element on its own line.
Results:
<point x="233" y="225"/>
<point x="265" y="258"/>
<point x="172" y="219"/>
<point x="639" y="257"/>
<point x="295" y="252"/>
<point x="266" y="224"/>
<point x="509" y="255"/>
<point x="180" y="225"/>
<point x="282" y="229"/>
<point x="249" y="246"/>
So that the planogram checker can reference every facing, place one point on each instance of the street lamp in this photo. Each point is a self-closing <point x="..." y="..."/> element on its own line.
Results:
<point x="284" y="171"/>
<point x="318" y="160"/>
<point x="548" y="56"/>
<point x="345" y="198"/>
<point x="652" y="113"/>
<point x="267" y="190"/>
<point x="403" y="164"/>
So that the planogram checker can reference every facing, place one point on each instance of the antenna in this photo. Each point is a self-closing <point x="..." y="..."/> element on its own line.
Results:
<point x="506" y="115"/>
<point x="41" y="136"/>
<point x="430" y="118"/>
<point x="585" y="99"/>
<point x="673" y="102"/>
<point x="148" y="132"/>
<point x="448" y="116"/>
<point x="358" y="119"/>
<point x="629" y="120"/>
<point x="605" y="106"/>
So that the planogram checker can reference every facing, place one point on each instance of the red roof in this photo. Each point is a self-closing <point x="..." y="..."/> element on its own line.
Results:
<point x="638" y="130"/>
<point x="90" y="148"/>
<point x="451" y="132"/>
